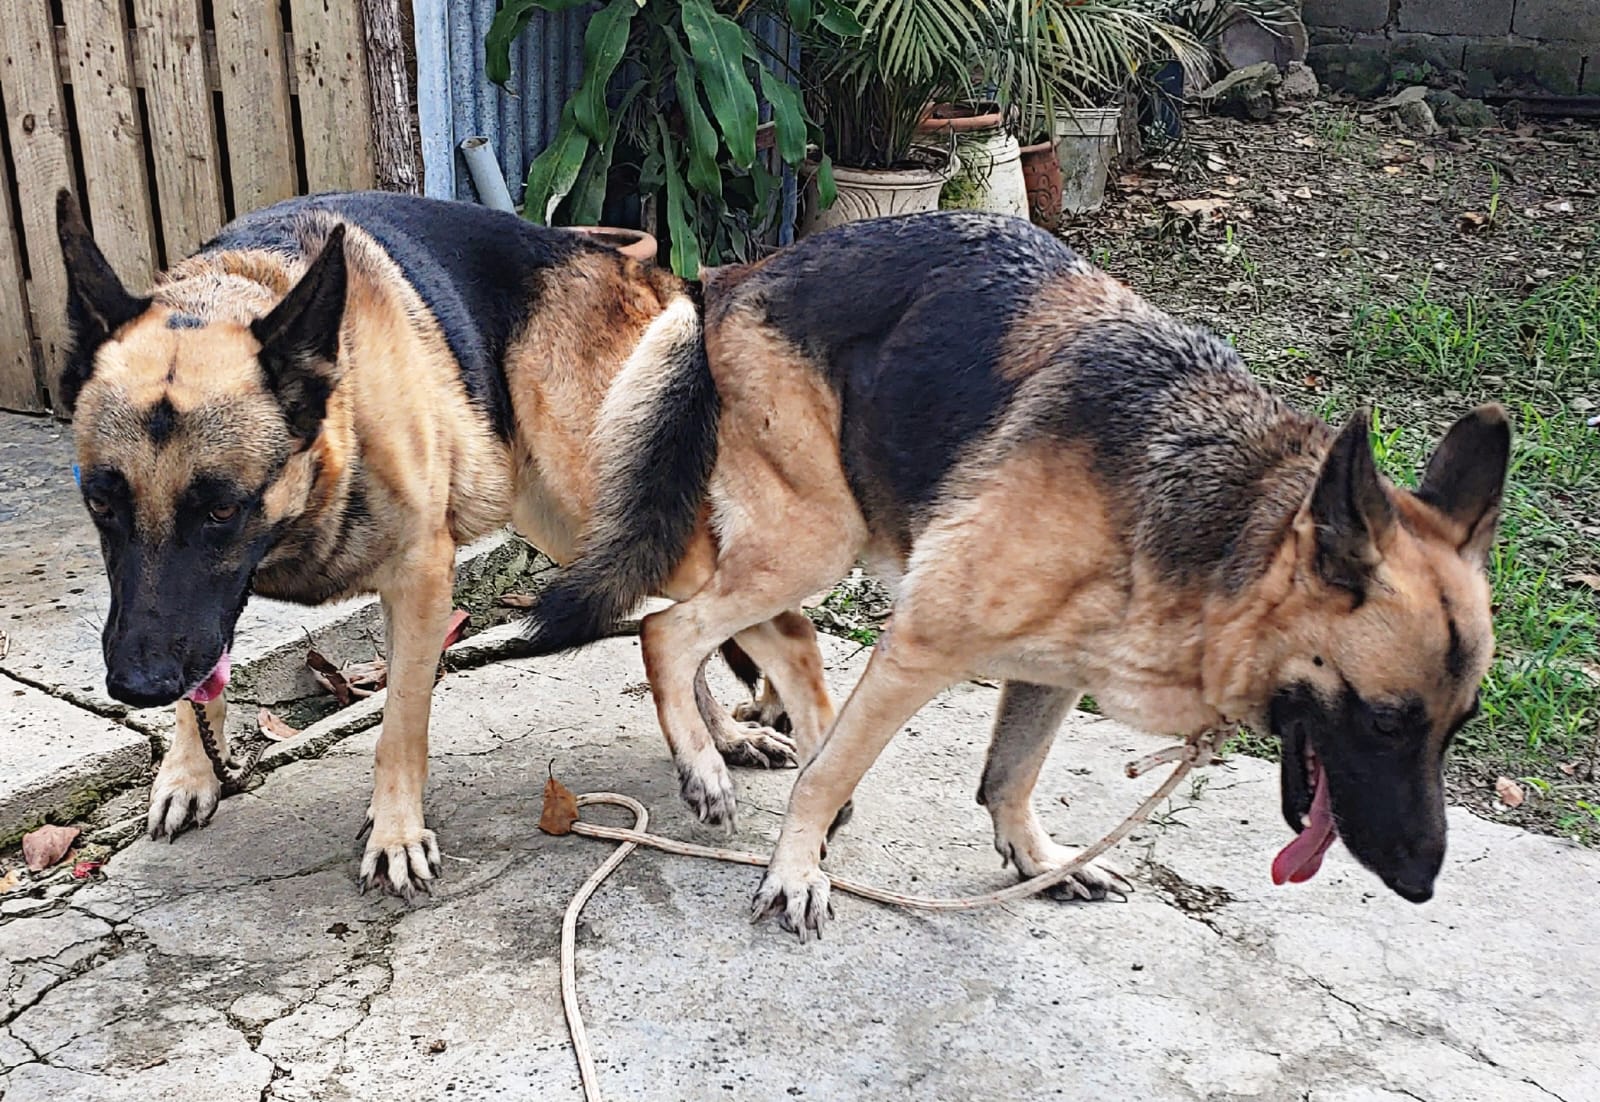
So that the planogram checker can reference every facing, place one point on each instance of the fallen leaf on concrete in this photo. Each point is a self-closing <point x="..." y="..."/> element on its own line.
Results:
<point x="1509" y="791"/>
<point x="10" y="880"/>
<point x="516" y="600"/>
<point x="560" y="808"/>
<point x="455" y="628"/>
<point x="274" y="728"/>
<point x="365" y="678"/>
<point x="44" y="847"/>
<point x="85" y="869"/>
<point x="436" y="1046"/>
<point x="329" y="677"/>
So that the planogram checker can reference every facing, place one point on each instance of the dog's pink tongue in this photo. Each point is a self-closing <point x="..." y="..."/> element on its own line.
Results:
<point x="217" y="680"/>
<point x="1299" y="861"/>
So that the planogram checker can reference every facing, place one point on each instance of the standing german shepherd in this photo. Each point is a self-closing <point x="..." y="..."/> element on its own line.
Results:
<point x="1075" y="493"/>
<point x="328" y="399"/>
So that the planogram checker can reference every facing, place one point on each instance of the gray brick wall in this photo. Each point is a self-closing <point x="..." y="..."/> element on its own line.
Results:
<point x="1553" y="45"/>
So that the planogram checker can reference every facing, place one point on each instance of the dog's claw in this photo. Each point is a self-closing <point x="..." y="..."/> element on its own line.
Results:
<point x="184" y="796"/>
<point x="801" y="902"/>
<point x="756" y="747"/>
<point x="402" y="869"/>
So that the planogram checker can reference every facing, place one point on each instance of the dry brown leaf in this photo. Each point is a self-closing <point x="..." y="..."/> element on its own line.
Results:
<point x="274" y="728"/>
<point x="1568" y="768"/>
<point x="44" y="847"/>
<point x="1197" y="206"/>
<point x="1392" y="170"/>
<point x="1472" y="220"/>
<point x="1429" y="162"/>
<point x="455" y="628"/>
<point x="11" y="880"/>
<point x="1302" y="193"/>
<point x="1590" y="580"/>
<point x="365" y="678"/>
<point x="329" y="677"/>
<point x="516" y="600"/>
<point x="1559" y="206"/>
<point x="1509" y="791"/>
<point x="560" y="808"/>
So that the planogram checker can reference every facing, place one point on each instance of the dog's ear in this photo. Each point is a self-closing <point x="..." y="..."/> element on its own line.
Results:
<point x="1351" y="511"/>
<point x="300" y="340"/>
<point x="97" y="302"/>
<point x="1466" y="477"/>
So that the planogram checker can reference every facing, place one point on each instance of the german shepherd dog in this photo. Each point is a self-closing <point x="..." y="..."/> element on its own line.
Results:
<point x="330" y="397"/>
<point x="1073" y="492"/>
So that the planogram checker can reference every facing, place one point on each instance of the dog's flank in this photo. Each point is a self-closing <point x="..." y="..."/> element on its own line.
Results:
<point x="1080" y="493"/>
<point x="331" y="396"/>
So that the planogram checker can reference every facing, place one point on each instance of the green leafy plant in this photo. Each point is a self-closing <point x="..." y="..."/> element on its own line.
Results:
<point x="684" y="129"/>
<point x="1060" y="54"/>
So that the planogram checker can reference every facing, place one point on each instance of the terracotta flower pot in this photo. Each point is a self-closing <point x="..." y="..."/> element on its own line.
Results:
<point x="637" y="244"/>
<point x="1042" y="171"/>
<point x="961" y="118"/>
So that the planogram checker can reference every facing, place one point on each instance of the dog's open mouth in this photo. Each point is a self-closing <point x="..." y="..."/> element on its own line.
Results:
<point x="1299" y="861"/>
<point x="215" y="681"/>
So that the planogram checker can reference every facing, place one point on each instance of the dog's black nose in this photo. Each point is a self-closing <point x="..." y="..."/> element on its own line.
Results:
<point x="145" y="687"/>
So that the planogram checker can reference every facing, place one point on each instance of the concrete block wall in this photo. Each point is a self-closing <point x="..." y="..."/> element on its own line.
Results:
<point x="1523" y="45"/>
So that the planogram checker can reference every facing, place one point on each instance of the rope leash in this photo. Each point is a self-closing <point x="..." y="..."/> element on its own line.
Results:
<point x="560" y="816"/>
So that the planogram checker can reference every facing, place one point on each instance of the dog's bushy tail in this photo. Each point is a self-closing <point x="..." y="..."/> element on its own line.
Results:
<point x="657" y="442"/>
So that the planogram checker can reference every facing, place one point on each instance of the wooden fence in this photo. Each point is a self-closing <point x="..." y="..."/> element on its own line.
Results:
<point x="166" y="118"/>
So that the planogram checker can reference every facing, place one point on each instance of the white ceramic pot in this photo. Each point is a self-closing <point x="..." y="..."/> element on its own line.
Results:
<point x="993" y="160"/>
<point x="874" y="193"/>
<point x="1086" y="138"/>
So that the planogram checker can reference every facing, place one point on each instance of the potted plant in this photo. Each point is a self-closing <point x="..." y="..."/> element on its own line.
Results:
<point x="991" y="175"/>
<point x="681" y="131"/>
<point x="1067" y="63"/>
<point x="869" y="80"/>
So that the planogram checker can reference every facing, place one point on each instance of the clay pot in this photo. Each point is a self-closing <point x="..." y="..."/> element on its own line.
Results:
<point x="961" y="118"/>
<point x="636" y="244"/>
<point x="1042" y="171"/>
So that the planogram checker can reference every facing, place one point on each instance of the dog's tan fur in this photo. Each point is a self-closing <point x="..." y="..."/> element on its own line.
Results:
<point x="402" y="470"/>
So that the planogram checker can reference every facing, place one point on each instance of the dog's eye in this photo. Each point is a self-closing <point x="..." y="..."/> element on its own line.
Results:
<point x="222" y="514"/>
<point x="98" y="505"/>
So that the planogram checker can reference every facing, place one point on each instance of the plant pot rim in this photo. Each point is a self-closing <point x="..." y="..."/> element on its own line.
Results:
<point x="1044" y="146"/>
<point x="961" y="117"/>
<point x="638" y="244"/>
<point x="936" y="164"/>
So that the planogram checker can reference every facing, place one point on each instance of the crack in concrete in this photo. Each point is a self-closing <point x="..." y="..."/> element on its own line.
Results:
<point x="114" y="947"/>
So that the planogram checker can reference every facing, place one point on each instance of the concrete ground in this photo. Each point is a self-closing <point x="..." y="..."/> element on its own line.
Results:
<point x="240" y="962"/>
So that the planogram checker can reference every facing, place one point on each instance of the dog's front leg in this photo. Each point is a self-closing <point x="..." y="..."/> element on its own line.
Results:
<point x="186" y="788"/>
<point x="402" y="855"/>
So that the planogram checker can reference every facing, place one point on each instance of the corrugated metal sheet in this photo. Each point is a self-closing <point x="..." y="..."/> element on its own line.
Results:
<point x="456" y="101"/>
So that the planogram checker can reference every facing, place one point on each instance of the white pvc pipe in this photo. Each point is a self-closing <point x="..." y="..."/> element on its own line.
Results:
<point x="487" y="178"/>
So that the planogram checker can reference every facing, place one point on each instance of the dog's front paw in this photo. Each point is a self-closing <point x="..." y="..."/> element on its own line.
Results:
<point x="799" y="898"/>
<point x="402" y="857"/>
<point x="1096" y="880"/>
<point x="184" y="795"/>
<point x="708" y="789"/>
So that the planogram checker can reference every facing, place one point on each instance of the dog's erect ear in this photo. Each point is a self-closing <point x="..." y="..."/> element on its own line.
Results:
<point x="300" y="340"/>
<point x="1467" y="475"/>
<point x="97" y="302"/>
<point x="1350" y="509"/>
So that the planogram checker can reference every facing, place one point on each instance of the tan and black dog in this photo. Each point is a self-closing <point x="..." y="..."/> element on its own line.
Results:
<point x="1074" y="493"/>
<point x="329" y="398"/>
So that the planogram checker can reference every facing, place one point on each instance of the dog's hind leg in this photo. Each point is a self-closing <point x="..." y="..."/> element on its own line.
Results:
<point x="1024" y="727"/>
<point x="402" y="855"/>
<point x="186" y="788"/>
<point x="786" y="648"/>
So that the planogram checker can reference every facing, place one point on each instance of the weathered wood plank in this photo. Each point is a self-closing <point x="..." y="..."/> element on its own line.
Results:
<point x="42" y="154"/>
<point x="19" y="382"/>
<point x="335" y="101"/>
<point x="209" y="44"/>
<point x="111" y="137"/>
<point x="183" y="128"/>
<point x="253" y="72"/>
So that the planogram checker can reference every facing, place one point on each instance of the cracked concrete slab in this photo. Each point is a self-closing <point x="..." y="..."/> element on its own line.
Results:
<point x="245" y="950"/>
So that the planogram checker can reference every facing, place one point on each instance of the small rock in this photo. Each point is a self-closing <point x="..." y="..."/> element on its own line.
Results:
<point x="1463" y="114"/>
<point x="1417" y="93"/>
<point x="1299" y="83"/>
<point x="1417" y="117"/>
